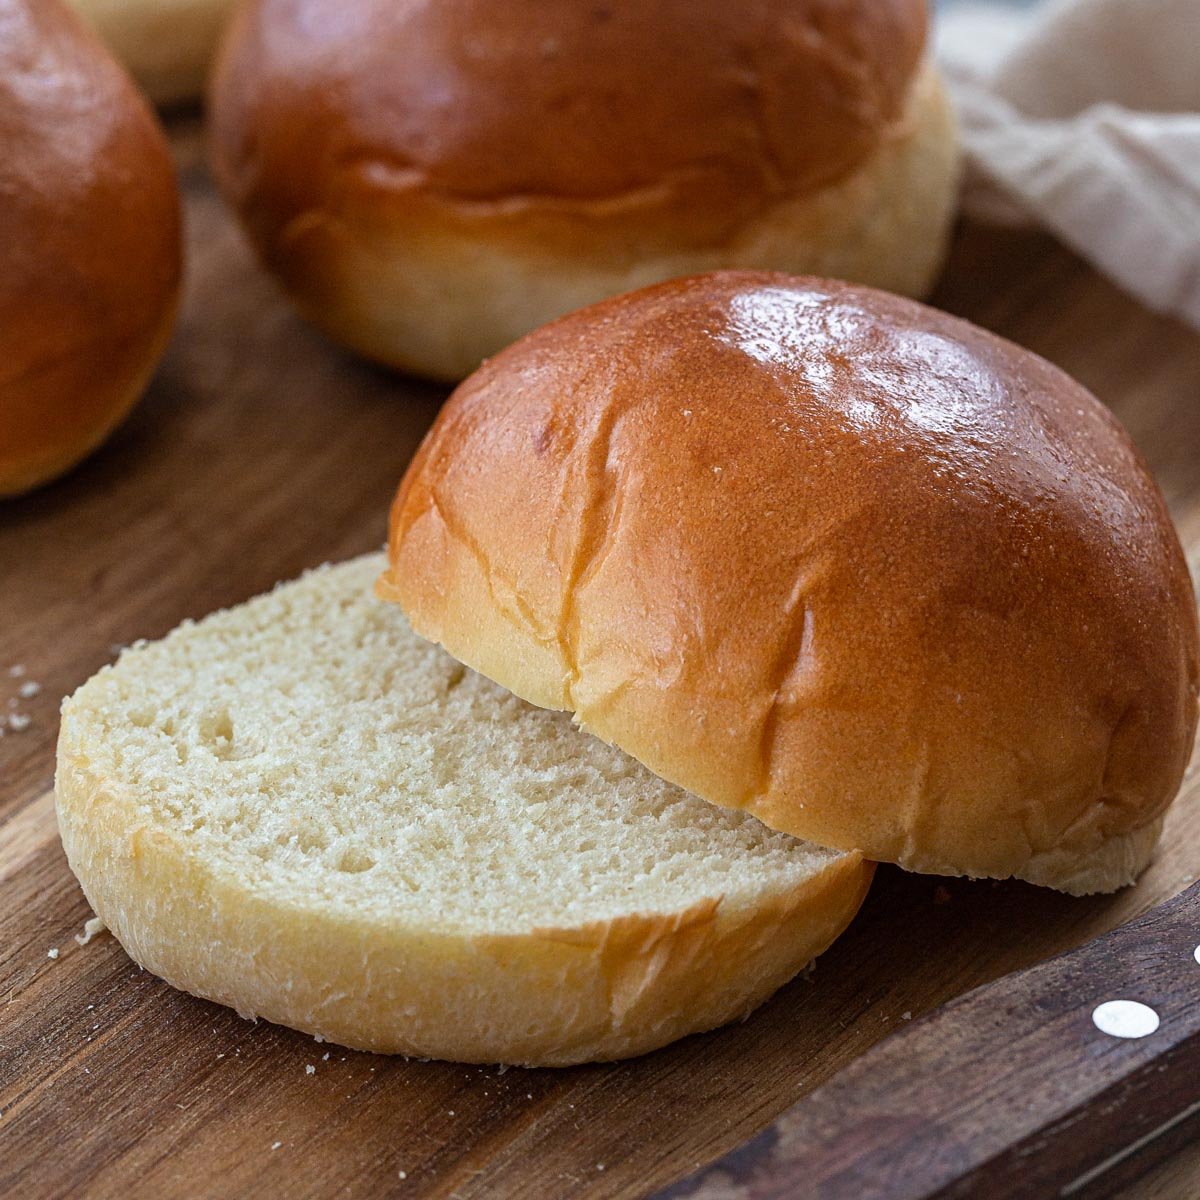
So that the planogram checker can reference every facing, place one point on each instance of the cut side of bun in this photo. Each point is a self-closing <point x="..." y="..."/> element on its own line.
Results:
<point x="823" y="554"/>
<point x="299" y="808"/>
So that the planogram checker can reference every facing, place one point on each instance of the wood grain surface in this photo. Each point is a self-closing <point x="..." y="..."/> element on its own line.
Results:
<point x="261" y="450"/>
<point x="1009" y="1091"/>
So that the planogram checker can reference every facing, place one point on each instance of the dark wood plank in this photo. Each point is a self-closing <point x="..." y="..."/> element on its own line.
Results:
<point x="262" y="450"/>
<point x="1010" y="1091"/>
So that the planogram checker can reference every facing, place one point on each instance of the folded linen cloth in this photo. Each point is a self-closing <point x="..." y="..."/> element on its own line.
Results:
<point x="1083" y="116"/>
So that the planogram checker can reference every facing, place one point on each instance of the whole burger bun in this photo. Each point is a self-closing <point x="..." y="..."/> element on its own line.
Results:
<point x="881" y="578"/>
<point x="90" y="252"/>
<point x="430" y="180"/>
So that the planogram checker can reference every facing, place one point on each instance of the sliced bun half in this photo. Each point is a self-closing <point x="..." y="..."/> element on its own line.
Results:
<point x="301" y="809"/>
<point x="875" y="575"/>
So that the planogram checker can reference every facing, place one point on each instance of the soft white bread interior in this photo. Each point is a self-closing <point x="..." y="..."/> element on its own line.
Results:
<point x="167" y="45"/>
<point x="301" y="809"/>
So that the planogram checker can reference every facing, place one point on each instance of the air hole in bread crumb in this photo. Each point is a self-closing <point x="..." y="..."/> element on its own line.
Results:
<point x="216" y="729"/>
<point x="354" y="861"/>
<point x="311" y="841"/>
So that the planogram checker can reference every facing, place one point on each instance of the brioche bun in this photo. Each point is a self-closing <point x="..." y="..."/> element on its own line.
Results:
<point x="166" y="45"/>
<point x="432" y="180"/>
<point x="879" y="577"/>
<point x="299" y="808"/>
<point x="90" y="254"/>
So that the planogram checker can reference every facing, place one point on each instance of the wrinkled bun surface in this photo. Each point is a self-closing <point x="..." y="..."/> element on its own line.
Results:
<point x="301" y="809"/>
<point x="881" y="578"/>
<point x="90" y="248"/>
<point x="167" y="45"/>
<point x="433" y="179"/>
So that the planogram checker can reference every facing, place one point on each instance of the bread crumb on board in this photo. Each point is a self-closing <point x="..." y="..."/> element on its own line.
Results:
<point x="91" y="927"/>
<point x="276" y="1145"/>
<point x="310" y="1069"/>
<point x="16" y="722"/>
<point x="52" y="952"/>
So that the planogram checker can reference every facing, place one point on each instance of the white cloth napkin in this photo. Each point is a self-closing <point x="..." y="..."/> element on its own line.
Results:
<point x="1083" y="116"/>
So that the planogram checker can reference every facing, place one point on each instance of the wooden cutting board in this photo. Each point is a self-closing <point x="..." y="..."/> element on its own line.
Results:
<point x="262" y="450"/>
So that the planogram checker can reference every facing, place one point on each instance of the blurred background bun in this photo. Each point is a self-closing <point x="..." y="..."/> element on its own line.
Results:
<point x="432" y="179"/>
<point x="167" y="45"/>
<point x="875" y="575"/>
<point x="90" y="251"/>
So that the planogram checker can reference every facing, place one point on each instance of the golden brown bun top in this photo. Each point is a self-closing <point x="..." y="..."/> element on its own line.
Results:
<point x="89" y="248"/>
<point x="696" y="111"/>
<point x="882" y="578"/>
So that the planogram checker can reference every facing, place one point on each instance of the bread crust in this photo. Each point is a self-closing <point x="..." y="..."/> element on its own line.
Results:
<point x="90" y="260"/>
<point x="428" y="196"/>
<point x="877" y="576"/>
<point x="553" y="998"/>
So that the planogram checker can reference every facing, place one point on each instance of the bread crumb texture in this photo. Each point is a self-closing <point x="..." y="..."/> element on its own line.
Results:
<point x="300" y="808"/>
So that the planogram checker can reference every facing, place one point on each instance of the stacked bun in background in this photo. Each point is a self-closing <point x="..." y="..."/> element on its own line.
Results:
<point x="811" y="551"/>
<point x="90" y="251"/>
<point x="431" y="180"/>
<point x="166" y="45"/>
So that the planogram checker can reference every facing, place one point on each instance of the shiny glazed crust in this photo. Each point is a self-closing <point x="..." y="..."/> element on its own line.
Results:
<point x="881" y="578"/>
<point x="428" y="196"/>
<point x="90" y="255"/>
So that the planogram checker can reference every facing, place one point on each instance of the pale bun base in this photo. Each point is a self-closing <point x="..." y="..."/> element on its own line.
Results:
<point x="1115" y="864"/>
<point x="300" y="809"/>
<point x="436" y="303"/>
<point x="166" y="45"/>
